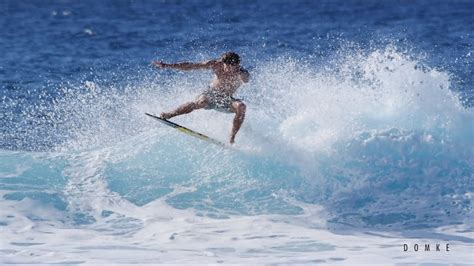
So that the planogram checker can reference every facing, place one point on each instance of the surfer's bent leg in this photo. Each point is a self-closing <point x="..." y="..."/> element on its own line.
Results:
<point x="239" y="108"/>
<point x="186" y="108"/>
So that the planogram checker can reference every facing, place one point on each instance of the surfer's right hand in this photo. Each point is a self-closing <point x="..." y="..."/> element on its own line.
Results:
<point x="159" y="64"/>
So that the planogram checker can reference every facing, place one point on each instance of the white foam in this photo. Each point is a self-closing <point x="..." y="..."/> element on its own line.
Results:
<point x="156" y="233"/>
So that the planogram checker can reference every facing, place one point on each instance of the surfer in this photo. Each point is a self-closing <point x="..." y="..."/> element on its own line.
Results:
<point x="229" y="76"/>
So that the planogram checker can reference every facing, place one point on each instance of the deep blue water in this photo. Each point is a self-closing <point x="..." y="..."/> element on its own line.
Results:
<point x="47" y="42"/>
<point x="347" y="97"/>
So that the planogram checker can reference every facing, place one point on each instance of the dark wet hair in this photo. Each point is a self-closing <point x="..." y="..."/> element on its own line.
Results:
<point x="231" y="58"/>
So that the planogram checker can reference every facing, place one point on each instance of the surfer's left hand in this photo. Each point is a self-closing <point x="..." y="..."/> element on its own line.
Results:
<point x="159" y="64"/>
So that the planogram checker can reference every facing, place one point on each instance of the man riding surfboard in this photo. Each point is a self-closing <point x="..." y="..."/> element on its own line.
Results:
<point x="229" y="76"/>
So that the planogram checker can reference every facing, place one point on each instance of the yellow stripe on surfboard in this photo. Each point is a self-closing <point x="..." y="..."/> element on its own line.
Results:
<point x="192" y="133"/>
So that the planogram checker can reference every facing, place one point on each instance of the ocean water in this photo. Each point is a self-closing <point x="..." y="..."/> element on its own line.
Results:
<point x="359" y="135"/>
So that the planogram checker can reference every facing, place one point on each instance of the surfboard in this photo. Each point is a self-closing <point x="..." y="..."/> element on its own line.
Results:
<point x="188" y="131"/>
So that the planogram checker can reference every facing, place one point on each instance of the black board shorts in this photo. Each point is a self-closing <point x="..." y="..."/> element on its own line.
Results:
<point x="218" y="101"/>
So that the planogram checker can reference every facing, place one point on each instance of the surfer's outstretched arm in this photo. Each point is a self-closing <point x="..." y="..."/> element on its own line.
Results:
<point x="187" y="65"/>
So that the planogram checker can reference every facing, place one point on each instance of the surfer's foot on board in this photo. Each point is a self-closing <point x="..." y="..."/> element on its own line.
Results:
<point x="166" y="115"/>
<point x="232" y="139"/>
